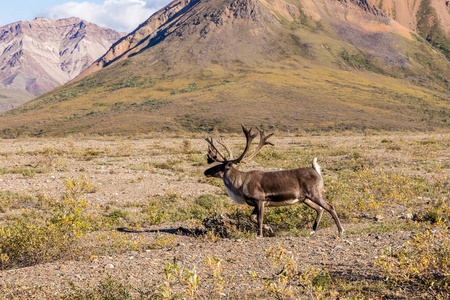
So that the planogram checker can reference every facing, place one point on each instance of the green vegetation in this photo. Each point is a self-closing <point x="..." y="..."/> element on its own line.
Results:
<point x="424" y="262"/>
<point x="47" y="233"/>
<point x="283" y="98"/>
<point x="430" y="29"/>
<point x="107" y="289"/>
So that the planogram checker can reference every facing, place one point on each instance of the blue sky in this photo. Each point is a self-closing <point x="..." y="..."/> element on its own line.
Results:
<point x="121" y="15"/>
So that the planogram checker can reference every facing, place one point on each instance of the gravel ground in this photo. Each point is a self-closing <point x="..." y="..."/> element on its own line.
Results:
<point x="116" y="180"/>
<point x="349" y="256"/>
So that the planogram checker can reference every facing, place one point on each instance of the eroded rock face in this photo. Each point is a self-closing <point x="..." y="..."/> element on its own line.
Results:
<point x="407" y="12"/>
<point x="42" y="54"/>
<point x="197" y="32"/>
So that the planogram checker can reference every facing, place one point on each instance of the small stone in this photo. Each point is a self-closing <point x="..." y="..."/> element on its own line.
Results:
<point x="379" y="218"/>
<point x="109" y="266"/>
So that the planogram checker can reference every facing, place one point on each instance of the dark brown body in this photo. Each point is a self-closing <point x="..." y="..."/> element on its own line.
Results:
<point x="278" y="188"/>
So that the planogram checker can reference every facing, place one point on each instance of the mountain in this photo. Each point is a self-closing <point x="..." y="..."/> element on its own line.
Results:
<point x="283" y="64"/>
<point x="411" y="14"/>
<point x="39" y="55"/>
<point x="429" y="18"/>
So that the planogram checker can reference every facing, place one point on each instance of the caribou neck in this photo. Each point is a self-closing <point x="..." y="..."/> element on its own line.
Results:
<point x="233" y="178"/>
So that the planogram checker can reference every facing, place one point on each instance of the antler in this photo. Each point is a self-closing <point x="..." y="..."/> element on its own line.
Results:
<point x="214" y="155"/>
<point x="249" y="137"/>
<point x="213" y="152"/>
<point x="225" y="145"/>
<point x="263" y="140"/>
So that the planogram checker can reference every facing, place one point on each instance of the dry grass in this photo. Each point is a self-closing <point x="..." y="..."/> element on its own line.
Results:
<point x="293" y="99"/>
<point x="91" y="187"/>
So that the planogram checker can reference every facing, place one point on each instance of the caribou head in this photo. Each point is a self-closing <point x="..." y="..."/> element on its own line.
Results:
<point x="214" y="155"/>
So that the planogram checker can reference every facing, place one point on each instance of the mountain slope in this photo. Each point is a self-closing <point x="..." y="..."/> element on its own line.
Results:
<point x="42" y="54"/>
<point x="247" y="30"/>
<point x="292" y="65"/>
<point x="407" y="12"/>
<point x="429" y="18"/>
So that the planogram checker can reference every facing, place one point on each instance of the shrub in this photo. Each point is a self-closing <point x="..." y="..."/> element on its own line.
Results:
<point x="291" y="282"/>
<point x="27" y="243"/>
<point x="290" y="217"/>
<point x="35" y="238"/>
<point x="424" y="261"/>
<point x="107" y="289"/>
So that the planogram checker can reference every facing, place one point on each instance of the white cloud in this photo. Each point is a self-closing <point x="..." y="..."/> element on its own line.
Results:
<point x="121" y="15"/>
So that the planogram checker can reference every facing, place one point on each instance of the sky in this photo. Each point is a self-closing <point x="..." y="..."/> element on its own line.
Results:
<point x="120" y="15"/>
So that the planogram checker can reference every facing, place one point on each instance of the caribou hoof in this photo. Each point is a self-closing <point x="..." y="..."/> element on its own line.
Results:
<point x="268" y="228"/>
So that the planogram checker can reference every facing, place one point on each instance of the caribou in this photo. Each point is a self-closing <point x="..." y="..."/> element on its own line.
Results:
<point x="261" y="189"/>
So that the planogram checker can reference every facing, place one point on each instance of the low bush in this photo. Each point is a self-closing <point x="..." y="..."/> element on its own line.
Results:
<point x="37" y="237"/>
<point x="106" y="289"/>
<point x="423" y="262"/>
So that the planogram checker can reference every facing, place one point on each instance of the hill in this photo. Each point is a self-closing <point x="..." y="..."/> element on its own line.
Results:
<point x="291" y="65"/>
<point x="39" y="55"/>
<point x="13" y="98"/>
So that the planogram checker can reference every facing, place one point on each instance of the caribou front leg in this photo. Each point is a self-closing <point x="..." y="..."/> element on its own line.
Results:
<point x="254" y="219"/>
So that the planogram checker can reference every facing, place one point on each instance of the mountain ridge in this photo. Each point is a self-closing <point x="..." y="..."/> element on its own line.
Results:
<point x="286" y="64"/>
<point x="39" y="55"/>
<point x="133" y="43"/>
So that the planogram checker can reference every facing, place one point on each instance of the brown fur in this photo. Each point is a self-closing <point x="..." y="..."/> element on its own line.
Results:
<point x="278" y="188"/>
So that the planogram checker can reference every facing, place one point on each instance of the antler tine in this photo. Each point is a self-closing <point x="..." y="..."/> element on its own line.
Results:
<point x="213" y="152"/>
<point x="249" y="137"/>
<point x="225" y="145"/>
<point x="263" y="140"/>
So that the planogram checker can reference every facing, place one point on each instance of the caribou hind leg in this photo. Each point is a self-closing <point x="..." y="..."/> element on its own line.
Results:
<point x="319" y="211"/>
<point x="319" y="200"/>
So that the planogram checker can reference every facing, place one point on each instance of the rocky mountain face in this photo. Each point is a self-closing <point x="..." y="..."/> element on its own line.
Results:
<point x="215" y="26"/>
<point x="39" y="55"/>
<point x="409" y="13"/>
<point x="290" y="64"/>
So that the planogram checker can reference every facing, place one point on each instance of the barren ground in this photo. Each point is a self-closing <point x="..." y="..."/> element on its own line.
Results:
<point x="116" y="169"/>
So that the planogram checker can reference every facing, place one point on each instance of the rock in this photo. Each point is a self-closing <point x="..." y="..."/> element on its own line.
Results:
<point x="379" y="218"/>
